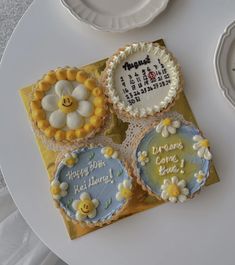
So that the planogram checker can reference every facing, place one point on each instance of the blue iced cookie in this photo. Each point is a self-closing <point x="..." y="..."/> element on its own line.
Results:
<point x="92" y="185"/>
<point x="172" y="160"/>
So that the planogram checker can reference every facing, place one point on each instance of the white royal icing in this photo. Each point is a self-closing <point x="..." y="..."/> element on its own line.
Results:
<point x="74" y="119"/>
<point x="130" y="71"/>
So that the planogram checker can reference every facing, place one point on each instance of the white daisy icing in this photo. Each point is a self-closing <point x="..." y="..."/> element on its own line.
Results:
<point x="124" y="190"/>
<point x="68" y="105"/>
<point x="85" y="207"/>
<point x="174" y="190"/>
<point x="142" y="158"/>
<point x="58" y="189"/>
<point x="167" y="126"/>
<point x="200" y="177"/>
<point x="202" y="147"/>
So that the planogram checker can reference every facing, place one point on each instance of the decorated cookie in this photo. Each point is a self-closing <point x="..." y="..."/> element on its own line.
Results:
<point x="68" y="105"/>
<point x="142" y="79"/>
<point x="92" y="185"/>
<point x="172" y="160"/>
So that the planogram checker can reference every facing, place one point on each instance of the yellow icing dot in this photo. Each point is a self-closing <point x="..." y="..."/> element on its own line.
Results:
<point x="166" y="122"/>
<point x="60" y="135"/>
<point x="61" y="74"/>
<point x="142" y="157"/>
<point x="55" y="190"/>
<point x="126" y="193"/>
<point x="70" y="135"/>
<point x="38" y="114"/>
<point x="50" y="132"/>
<point x="71" y="74"/>
<point x="88" y="127"/>
<point x="204" y="143"/>
<point x="98" y="91"/>
<point x="35" y="104"/>
<point x="95" y="121"/>
<point x="50" y="77"/>
<point x="43" y="124"/>
<point x="85" y="206"/>
<point x="38" y="95"/>
<point x="100" y="111"/>
<point x="109" y="151"/>
<point x="67" y="104"/>
<point x="81" y="76"/>
<point x="99" y="101"/>
<point x="173" y="190"/>
<point x="90" y="83"/>
<point x="80" y="133"/>
<point x="70" y="161"/>
<point x="43" y="86"/>
<point x="200" y="177"/>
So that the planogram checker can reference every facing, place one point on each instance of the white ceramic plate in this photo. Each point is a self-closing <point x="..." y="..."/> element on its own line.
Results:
<point x="113" y="15"/>
<point x="225" y="63"/>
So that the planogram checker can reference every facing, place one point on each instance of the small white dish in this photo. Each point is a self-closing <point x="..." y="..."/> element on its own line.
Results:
<point x="113" y="15"/>
<point x="225" y="63"/>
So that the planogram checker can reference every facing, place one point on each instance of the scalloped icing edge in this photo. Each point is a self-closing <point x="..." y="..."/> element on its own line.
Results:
<point x="65" y="144"/>
<point x="115" y="215"/>
<point x="135" y="170"/>
<point x="121" y="54"/>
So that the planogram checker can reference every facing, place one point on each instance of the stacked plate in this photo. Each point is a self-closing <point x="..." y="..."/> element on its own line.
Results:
<point x="115" y="16"/>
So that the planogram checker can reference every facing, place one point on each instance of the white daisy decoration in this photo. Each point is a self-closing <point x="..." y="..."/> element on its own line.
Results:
<point x="167" y="126"/>
<point x="124" y="190"/>
<point x="202" y="147"/>
<point x="174" y="190"/>
<point x="109" y="152"/>
<point x="70" y="159"/>
<point x="142" y="157"/>
<point x="85" y="207"/>
<point x="58" y="189"/>
<point x="200" y="177"/>
<point x="68" y="106"/>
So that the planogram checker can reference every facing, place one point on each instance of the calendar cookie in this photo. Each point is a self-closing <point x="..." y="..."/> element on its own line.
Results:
<point x="172" y="160"/>
<point x="142" y="79"/>
<point x="92" y="185"/>
<point x="68" y="105"/>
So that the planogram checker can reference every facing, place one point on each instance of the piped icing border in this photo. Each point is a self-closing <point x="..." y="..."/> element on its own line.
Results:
<point x="179" y="186"/>
<point x="167" y="59"/>
<point x="39" y="115"/>
<point x="123" y="189"/>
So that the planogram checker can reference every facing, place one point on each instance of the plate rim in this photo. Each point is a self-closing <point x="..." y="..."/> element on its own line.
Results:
<point x="223" y="88"/>
<point x="119" y="30"/>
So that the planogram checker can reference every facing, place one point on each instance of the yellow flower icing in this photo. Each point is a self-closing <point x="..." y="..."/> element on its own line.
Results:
<point x="67" y="104"/>
<point x="173" y="190"/>
<point x="85" y="207"/>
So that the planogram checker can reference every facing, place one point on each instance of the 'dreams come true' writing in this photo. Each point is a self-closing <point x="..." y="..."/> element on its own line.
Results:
<point x="168" y="163"/>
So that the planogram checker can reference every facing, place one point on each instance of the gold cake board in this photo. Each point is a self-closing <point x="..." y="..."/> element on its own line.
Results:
<point x="141" y="201"/>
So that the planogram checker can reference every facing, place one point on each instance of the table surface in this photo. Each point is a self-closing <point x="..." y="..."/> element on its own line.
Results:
<point x="200" y="231"/>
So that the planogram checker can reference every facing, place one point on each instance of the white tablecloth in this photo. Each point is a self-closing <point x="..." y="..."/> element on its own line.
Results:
<point x="18" y="244"/>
